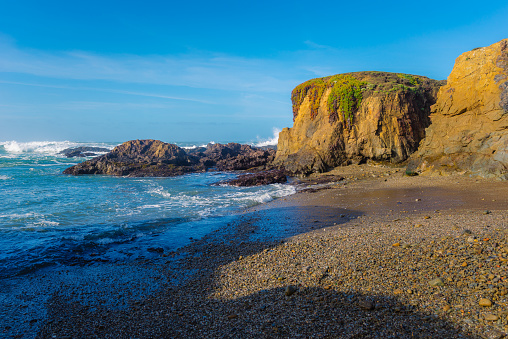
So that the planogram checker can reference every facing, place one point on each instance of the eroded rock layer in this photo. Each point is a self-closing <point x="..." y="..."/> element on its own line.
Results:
<point x="349" y="118"/>
<point x="469" y="130"/>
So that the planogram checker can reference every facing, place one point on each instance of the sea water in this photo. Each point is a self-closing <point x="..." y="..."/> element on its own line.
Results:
<point x="50" y="219"/>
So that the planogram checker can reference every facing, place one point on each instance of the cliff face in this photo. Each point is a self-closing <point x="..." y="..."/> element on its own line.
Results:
<point x="469" y="130"/>
<point x="348" y="118"/>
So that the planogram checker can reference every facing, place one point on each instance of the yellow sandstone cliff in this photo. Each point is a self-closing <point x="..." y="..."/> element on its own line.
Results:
<point x="469" y="130"/>
<point x="353" y="117"/>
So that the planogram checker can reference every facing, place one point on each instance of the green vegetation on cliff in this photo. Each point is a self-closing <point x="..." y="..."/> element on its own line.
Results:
<point x="349" y="89"/>
<point x="345" y="96"/>
<point x="314" y="88"/>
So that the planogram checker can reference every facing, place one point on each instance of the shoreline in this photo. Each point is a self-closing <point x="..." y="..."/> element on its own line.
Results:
<point x="337" y="245"/>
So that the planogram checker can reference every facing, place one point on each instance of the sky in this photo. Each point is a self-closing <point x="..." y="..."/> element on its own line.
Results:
<point x="219" y="71"/>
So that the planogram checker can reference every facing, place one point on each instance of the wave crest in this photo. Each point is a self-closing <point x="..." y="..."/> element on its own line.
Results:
<point x="48" y="148"/>
<point x="270" y="141"/>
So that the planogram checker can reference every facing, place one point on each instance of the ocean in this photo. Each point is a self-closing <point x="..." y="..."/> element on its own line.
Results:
<point x="48" y="219"/>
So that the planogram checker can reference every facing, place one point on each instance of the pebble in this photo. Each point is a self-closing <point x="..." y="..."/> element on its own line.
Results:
<point x="491" y="317"/>
<point x="492" y="333"/>
<point x="290" y="290"/>
<point x="436" y="282"/>
<point x="365" y="305"/>
<point x="485" y="302"/>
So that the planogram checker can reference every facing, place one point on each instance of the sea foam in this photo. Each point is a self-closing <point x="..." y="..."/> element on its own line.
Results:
<point x="47" y="148"/>
<point x="270" y="141"/>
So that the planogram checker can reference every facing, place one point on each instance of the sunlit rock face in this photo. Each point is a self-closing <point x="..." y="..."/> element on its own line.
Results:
<point x="469" y="130"/>
<point x="353" y="117"/>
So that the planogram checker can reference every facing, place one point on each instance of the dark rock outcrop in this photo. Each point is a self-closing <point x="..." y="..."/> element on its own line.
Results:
<point x="259" y="178"/>
<point x="83" y="151"/>
<point x="349" y="118"/>
<point x="154" y="158"/>
<point x="469" y="130"/>
<point x="234" y="156"/>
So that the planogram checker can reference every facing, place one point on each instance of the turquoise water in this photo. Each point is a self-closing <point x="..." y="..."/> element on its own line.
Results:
<point x="48" y="219"/>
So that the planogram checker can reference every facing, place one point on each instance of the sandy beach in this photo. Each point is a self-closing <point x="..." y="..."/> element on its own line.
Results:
<point x="360" y="252"/>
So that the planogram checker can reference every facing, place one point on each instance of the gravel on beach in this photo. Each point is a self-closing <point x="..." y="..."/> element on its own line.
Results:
<point x="427" y="258"/>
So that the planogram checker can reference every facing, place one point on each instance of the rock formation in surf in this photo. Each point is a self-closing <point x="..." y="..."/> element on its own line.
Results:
<point x="154" y="158"/>
<point x="83" y="151"/>
<point x="469" y="130"/>
<point x="349" y="118"/>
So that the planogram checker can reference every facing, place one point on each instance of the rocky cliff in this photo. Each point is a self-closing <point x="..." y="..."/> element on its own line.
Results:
<point x="469" y="130"/>
<point x="349" y="118"/>
<point x="154" y="158"/>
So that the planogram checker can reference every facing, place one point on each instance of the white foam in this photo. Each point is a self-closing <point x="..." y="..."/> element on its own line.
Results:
<point x="149" y="206"/>
<point x="159" y="191"/>
<point x="45" y="147"/>
<point x="270" y="141"/>
<point x="21" y="216"/>
<point x="4" y="177"/>
<point x="46" y="223"/>
<point x="197" y="146"/>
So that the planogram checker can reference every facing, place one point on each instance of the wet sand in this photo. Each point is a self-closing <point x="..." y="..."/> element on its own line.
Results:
<point x="356" y="255"/>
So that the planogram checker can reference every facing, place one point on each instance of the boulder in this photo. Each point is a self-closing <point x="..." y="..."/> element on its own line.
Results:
<point x="234" y="156"/>
<point x="83" y="151"/>
<point x="140" y="158"/>
<point x="259" y="178"/>
<point x="350" y="118"/>
<point x="469" y="130"/>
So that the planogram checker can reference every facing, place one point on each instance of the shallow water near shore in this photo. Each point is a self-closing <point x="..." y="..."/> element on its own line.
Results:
<point x="47" y="218"/>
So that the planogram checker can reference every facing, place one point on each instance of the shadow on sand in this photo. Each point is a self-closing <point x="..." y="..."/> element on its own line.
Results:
<point x="189" y="309"/>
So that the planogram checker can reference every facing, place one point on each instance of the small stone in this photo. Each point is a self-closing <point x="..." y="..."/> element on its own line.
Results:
<point x="492" y="333"/>
<point x="397" y="244"/>
<point x="290" y="290"/>
<point x="436" y="282"/>
<point x="467" y="232"/>
<point x="446" y="308"/>
<point x="486" y="212"/>
<point x="406" y="246"/>
<point x="365" y="305"/>
<point x="485" y="302"/>
<point x="491" y="317"/>
<point x="418" y="225"/>
<point x="398" y="291"/>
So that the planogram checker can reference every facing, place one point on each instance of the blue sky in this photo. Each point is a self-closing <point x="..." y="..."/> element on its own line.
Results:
<point x="209" y="70"/>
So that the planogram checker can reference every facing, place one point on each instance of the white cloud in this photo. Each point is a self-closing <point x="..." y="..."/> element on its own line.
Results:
<point x="199" y="70"/>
